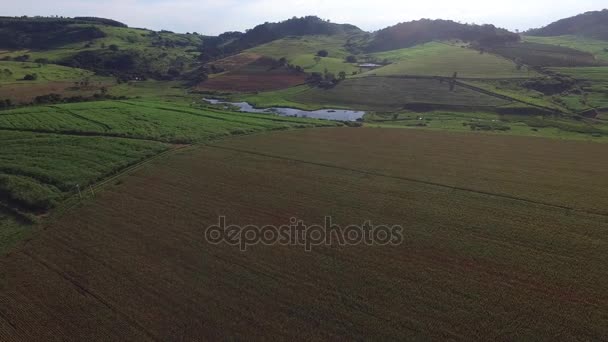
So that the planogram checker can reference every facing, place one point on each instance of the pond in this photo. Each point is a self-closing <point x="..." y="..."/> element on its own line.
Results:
<point x="327" y="114"/>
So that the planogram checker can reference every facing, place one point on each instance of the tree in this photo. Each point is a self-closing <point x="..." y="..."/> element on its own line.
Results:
<point x="342" y="75"/>
<point x="351" y="59"/>
<point x="317" y="59"/>
<point x="113" y="47"/>
<point x="30" y="77"/>
<point x="322" y="53"/>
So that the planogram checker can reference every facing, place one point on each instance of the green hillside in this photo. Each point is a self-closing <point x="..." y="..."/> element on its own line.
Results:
<point x="441" y="59"/>
<point x="599" y="48"/>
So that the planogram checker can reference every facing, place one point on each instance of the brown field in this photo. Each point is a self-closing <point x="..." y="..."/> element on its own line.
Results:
<point x="255" y="76"/>
<point x="25" y="92"/>
<point x="237" y="61"/>
<point x="491" y="249"/>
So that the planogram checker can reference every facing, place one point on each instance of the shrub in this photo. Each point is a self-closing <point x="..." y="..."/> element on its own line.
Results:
<point x="322" y="53"/>
<point x="30" y="77"/>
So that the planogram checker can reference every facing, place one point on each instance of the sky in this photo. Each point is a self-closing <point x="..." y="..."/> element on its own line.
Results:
<point x="212" y="17"/>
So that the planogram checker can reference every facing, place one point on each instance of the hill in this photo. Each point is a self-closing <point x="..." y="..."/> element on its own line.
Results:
<point x="592" y="24"/>
<point x="425" y="30"/>
<point x="442" y="59"/>
<point x="232" y="42"/>
<point x="104" y="46"/>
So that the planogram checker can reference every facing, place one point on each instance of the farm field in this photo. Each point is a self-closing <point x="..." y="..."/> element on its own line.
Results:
<point x="517" y="254"/>
<point x="585" y="73"/>
<point x="442" y="59"/>
<point x="49" y="150"/>
<point x="39" y="171"/>
<point x="594" y="46"/>
<point x="547" y="55"/>
<point x="259" y="75"/>
<point x="389" y="94"/>
<point x="144" y="119"/>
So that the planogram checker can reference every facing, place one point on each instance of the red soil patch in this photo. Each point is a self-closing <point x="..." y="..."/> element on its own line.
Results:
<point x="246" y="82"/>
<point x="236" y="61"/>
<point x="259" y="75"/>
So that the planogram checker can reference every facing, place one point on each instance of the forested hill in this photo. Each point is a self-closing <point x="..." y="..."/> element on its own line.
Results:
<point x="421" y="31"/>
<point x="590" y="24"/>
<point x="310" y="25"/>
<point x="45" y="33"/>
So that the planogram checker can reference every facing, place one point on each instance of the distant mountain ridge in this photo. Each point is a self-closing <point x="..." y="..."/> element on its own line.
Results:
<point x="590" y="24"/>
<point x="411" y="33"/>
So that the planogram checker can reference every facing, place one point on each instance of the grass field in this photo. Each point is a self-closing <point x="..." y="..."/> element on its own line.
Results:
<point x="594" y="46"/>
<point x="50" y="78"/>
<point x="302" y="50"/>
<point x="441" y="59"/>
<point x="499" y="243"/>
<point x="15" y="71"/>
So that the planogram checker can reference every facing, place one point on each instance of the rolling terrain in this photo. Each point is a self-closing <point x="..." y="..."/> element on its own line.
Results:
<point x="487" y="146"/>
<point x="508" y="244"/>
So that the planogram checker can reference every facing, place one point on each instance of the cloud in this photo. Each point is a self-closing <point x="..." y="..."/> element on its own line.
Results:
<point x="214" y="17"/>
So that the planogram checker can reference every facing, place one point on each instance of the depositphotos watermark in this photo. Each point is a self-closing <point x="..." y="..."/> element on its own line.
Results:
<point x="297" y="233"/>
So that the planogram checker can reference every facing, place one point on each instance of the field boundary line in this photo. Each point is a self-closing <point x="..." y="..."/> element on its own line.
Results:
<point x="414" y="180"/>
<point x="459" y="81"/>
<point x="73" y="200"/>
<point x="97" y="297"/>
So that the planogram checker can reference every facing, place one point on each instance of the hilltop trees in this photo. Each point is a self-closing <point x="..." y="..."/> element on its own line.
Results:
<point x="590" y="24"/>
<point x="421" y="31"/>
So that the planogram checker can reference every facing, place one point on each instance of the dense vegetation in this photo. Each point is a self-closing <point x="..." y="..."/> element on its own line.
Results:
<point x="310" y="25"/>
<point x="590" y="24"/>
<point x="421" y="31"/>
<point x="45" y="33"/>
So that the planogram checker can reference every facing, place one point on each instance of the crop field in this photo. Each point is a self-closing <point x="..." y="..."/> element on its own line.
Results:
<point x="442" y="59"/>
<point x="505" y="241"/>
<point x="48" y="150"/>
<point x="585" y="73"/>
<point x="256" y="76"/>
<point x="515" y="90"/>
<point x="594" y="46"/>
<point x="146" y="120"/>
<point x="386" y="94"/>
<point x="38" y="171"/>
<point x="537" y="54"/>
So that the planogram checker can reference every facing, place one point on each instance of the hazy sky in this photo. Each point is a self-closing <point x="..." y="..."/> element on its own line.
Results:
<point x="216" y="16"/>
